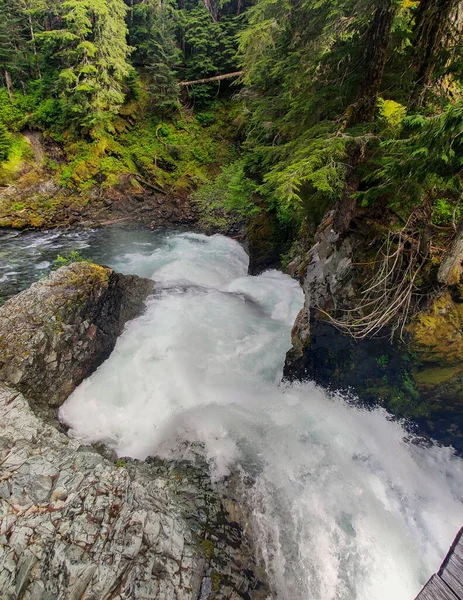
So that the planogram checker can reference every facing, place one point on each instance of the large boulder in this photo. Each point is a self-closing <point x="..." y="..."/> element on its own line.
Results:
<point x="58" y="331"/>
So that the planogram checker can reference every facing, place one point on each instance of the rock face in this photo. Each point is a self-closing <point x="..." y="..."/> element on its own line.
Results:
<point x="62" y="328"/>
<point x="421" y="377"/>
<point x="74" y="525"/>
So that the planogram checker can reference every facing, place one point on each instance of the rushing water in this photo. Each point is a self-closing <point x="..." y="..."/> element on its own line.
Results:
<point x="344" y="507"/>
<point x="26" y="257"/>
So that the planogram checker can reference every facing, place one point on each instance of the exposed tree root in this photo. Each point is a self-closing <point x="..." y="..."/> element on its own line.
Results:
<point x="390" y="297"/>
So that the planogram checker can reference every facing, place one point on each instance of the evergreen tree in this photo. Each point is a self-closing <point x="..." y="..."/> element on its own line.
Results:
<point x="316" y="71"/>
<point x="164" y="59"/>
<point x="374" y="60"/>
<point x="95" y="54"/>
<point x="154" y="28"/>
<point x="13" y="48"/>
<point x="30" y="13"/>
<point x="209" y="36"/>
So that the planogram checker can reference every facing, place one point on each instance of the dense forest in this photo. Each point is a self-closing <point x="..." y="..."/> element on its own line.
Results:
<point x="336" y="96"/>
<point x="283" y="107"/>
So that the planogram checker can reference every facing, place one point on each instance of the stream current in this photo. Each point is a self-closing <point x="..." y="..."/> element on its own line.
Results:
<point x="345" y="505"/>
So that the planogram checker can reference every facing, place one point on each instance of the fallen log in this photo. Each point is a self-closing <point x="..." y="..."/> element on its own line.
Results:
<point x="210" y="79"/>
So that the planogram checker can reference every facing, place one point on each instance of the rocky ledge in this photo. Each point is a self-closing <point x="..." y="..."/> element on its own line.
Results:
<point x="75" y="523"/>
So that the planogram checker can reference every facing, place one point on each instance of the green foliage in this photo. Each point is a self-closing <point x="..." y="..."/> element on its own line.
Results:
<point x="19" y="152"/>
<point x="383" y="361"/>
<point x="409" y="385"/>
<point x="72" y="257"/>
<point x="305" y="70"/>
<point x="5" y="142"/>
<point x="446" y="211"/>
<point x="424" y="159"/>
<point x="156" y="24"/>
<point x="309" y="170"/>
<point x="178" y="154"/>
<point x="12" y="114"/>
<point x="393" y="113"/>
<point x="231" y="191"/>
<point x="94" y="53"/>
<point x="209" y="45"/>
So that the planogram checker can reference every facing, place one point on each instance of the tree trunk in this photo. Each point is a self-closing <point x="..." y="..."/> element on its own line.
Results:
<point x="374" y="59"/>
<point x="130" y="27"/>
<point x="451" y="268"/>
<point x="346" y="206"/>
<point x="34" y="47"/>
<point x="210" y="79"/>
<point x="431" y="26"/>
<point x="213" y="9"/>
<point x="9" y="84"/>
<point x="363" y="111"/>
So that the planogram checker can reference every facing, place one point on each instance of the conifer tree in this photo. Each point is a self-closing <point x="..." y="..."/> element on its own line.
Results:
<point x="155" y="23"/>
<point x="13" y="51"/>
<point x="96" y="57"/>
<point x="30" y="13"/>
<point x="433" y="32"/>
<point x="374" y="60"/>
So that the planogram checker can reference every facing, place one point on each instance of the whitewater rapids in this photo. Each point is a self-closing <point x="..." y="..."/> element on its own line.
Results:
<point x="344" y="507"/>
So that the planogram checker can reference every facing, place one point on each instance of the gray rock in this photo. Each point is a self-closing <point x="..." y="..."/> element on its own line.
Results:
<point x="98" y="530"/>
<point x="62" y="328"/>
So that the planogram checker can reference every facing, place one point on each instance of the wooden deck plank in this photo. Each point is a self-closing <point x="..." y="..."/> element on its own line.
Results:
<point x="436" y="589"/>
<point x="451" y="570"/>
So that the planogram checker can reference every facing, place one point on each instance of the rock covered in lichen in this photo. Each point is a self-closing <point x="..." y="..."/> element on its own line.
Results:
<point x="75" y="525"/>
<point x="59" y="330"/>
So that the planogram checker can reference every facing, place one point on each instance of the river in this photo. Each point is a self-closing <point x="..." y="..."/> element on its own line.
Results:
<point x="345" y="505"/>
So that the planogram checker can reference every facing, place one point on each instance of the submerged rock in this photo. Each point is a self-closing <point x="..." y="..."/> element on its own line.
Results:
<point x="58" y="331"/>
<point x="74" y="525"/>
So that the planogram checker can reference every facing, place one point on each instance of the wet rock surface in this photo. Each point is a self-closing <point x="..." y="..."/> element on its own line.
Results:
<point x="75" y="525"/>
<point x="58" y="331"/>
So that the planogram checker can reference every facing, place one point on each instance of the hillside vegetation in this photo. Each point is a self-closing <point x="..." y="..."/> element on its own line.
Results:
<point x="301" y="107"/>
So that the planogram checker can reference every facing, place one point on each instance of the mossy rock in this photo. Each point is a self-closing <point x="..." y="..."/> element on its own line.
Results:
<point x="437" y="334"/>
<point x="36" y="221"/>
<point x="59" y="330"/>
<point x="19" y="223"/>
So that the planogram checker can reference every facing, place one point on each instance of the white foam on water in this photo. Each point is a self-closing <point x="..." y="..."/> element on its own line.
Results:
<point x="344" y="507"/>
